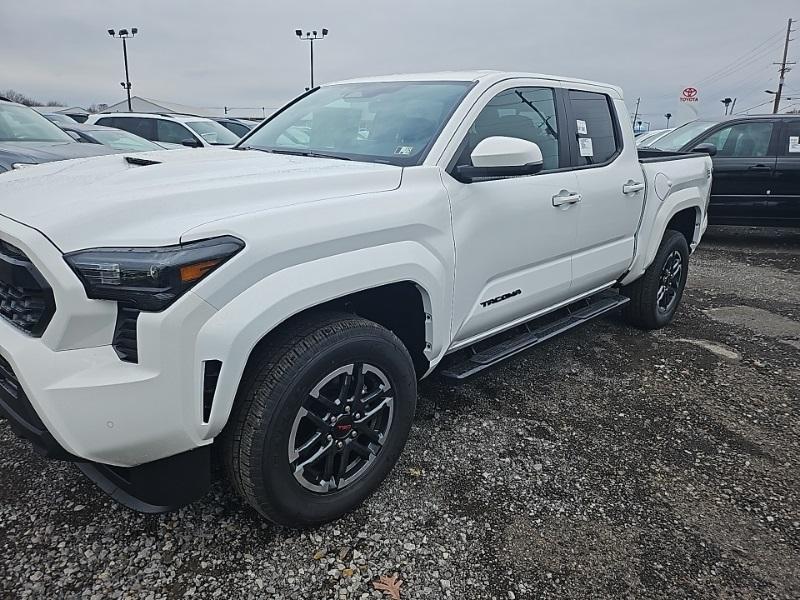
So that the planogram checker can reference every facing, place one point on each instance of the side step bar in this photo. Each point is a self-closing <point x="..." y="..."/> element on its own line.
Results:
<point x="573" y="315"/>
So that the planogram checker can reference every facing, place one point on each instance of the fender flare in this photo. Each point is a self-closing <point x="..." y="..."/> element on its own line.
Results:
<point x="678" y="200"/>
<point x="233" y="332"/>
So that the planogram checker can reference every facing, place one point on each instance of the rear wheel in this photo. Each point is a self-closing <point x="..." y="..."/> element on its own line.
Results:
<point x="321" y="417"/>
<point x="655" y="296"/>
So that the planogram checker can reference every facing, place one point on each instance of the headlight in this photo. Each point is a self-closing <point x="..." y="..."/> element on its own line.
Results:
<point x="149" y="279"/>
<point x="22" y="165"/>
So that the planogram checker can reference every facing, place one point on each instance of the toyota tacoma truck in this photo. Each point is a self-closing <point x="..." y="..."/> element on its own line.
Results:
<point x="279" y="300"/>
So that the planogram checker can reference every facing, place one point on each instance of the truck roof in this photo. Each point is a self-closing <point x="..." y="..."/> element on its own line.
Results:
<point x="484" y="76"/>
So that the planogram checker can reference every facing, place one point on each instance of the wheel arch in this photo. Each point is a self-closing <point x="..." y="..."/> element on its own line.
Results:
<point x="411" y="298"/>
<point x="682" y="211"/>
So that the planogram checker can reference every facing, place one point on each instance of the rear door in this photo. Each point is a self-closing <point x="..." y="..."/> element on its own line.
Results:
<point x="744" y="167"/>
<point x="611" y="185"/>
<point x="783" y="200"/>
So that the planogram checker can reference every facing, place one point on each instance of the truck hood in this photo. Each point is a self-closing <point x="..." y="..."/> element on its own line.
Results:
<point x="152" y="198"/>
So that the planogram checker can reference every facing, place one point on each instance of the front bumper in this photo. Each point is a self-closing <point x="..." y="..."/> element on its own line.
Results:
<point x="136" y="429"/>
<point x="68" y="390"/>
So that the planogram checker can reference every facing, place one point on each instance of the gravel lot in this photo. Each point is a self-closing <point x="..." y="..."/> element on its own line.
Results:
<point x="609" y="463"/>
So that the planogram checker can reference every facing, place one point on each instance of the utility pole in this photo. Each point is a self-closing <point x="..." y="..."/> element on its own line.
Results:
<point x="636" y="112"/>
<point x="783" y="69"/>
<point x="668" y="116"/>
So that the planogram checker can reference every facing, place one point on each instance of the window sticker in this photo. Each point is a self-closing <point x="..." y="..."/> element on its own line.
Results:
<point x="581" y="127"/>
<point x="794" y="143"/>
<point x="404" y="150"/>
<point x="585" y="145"/>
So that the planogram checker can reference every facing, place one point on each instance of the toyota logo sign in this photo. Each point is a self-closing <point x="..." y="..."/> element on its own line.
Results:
<point x="689" y="94"/>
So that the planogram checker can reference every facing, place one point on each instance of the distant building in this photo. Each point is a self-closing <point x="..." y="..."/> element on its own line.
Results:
<point x="149" y="105"/>
<point x="76" y="112"/>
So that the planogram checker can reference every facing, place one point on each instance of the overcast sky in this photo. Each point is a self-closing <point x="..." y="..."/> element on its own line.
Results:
<point x="245" y="53"/>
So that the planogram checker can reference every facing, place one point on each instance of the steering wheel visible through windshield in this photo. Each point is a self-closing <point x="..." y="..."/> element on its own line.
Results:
<point x="386" y="122"/>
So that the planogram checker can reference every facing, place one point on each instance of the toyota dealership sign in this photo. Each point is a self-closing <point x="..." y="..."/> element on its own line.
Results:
<point x="689" y="94"/>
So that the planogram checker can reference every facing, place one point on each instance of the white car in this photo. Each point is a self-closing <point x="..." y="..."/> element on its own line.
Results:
<point x="647" y="139"/>
<point x="279" y="300"/>
<point x="169" y="130"/>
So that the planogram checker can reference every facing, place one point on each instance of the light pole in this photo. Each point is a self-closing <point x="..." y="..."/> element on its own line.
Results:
<point x="311" y="36"/>
<point x="668" y="116"/>
<point x="727" y="103"/>
<point x="124" y="34"/>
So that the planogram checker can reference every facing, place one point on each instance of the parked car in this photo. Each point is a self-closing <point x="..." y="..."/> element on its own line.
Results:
<point x="59" y="119"/>
<point x="756" y="167"/>
<point x="172" y="131"/>
<point x="280" y="299"/>
<point x="240" y="127"/>
<point x="27" y="138"/>
<point x="651" y="137"/>
<point x="124" y="141"/>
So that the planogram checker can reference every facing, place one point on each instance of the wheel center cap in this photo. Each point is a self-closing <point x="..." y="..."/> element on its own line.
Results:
<point x="342" y="427"/>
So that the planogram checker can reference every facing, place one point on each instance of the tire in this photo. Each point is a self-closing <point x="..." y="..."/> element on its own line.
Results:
<point x="279" y="385"/>
<point x="646" y="308"/>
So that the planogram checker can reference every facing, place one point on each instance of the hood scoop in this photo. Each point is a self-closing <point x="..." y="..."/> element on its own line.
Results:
<point x="141" y="162"/>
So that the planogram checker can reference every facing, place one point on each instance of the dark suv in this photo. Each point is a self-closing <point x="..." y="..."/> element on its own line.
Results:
<point x="756" y="167"/>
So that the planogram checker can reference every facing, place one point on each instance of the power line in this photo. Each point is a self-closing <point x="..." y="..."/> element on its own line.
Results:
<point x="741" y="112"/>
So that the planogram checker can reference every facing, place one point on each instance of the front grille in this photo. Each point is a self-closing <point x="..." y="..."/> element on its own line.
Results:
<point x="26" y="300"/>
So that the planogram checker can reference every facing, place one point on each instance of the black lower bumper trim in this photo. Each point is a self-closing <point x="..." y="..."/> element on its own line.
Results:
<point x="156" y="487"/>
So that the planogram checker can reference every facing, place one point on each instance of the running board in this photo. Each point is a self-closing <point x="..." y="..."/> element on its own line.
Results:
<point x="573" y="315"/>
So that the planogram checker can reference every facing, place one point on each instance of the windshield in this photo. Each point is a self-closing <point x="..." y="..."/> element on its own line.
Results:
<point x="677" y="139"/>
<point x="59" y="118"/>
<point x="386" y="122"/>
<point x="213" y="133"/>
<point x="122" y="140"/>
<point x="23" y="124"/>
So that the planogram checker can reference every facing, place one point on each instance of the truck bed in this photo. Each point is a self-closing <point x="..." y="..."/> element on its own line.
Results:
<point x="650" y="155"/>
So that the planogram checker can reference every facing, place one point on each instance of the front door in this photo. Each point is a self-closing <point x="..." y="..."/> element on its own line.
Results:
<point x="514" y="236"/>
<point x="744" y="168"/>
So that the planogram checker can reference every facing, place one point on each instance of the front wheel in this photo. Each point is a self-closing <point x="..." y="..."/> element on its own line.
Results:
<point x="655" y="296"/>
<point x="321" y="417"/>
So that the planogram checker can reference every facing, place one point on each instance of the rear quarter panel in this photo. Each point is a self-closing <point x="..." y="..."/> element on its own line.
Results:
<point x="672" y="186"/>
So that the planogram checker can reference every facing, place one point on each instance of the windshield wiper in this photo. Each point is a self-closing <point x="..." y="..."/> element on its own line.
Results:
<point x="307" y="153"/>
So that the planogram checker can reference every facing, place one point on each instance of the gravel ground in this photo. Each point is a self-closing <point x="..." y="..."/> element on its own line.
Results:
<point x="609" y="463"/>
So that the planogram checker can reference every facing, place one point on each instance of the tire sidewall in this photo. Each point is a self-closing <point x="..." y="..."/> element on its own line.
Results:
<point x="272" y="475"/>
<point x="675" y="241"/>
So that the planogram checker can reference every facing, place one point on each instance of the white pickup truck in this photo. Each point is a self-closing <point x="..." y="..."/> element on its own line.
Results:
<point x="280" y="299"/>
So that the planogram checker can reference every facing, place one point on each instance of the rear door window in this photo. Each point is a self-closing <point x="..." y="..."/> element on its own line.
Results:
<point x="790" y="140"/>
<point x="595" y="128"/>
<point x="136" y="125"/>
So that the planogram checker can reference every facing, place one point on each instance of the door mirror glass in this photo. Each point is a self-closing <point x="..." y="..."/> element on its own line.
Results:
<point x="709" y="149"/>
<point x="192" y="143"/>
<point x="499" y="156"/>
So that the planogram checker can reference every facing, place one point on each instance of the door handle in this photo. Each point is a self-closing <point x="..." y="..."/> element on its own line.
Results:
<point x="565" y="197"/>
<point x="632" y="187"/>
<point x="759" y="168"/>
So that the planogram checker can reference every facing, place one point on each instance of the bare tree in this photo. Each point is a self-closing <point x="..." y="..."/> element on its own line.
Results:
<point x="21" y="98"/>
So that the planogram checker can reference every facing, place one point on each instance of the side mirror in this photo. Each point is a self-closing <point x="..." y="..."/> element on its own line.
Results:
<point x="502" y="157"/>
<point x="192" y="143"/>
<point x="709" y="149"/>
